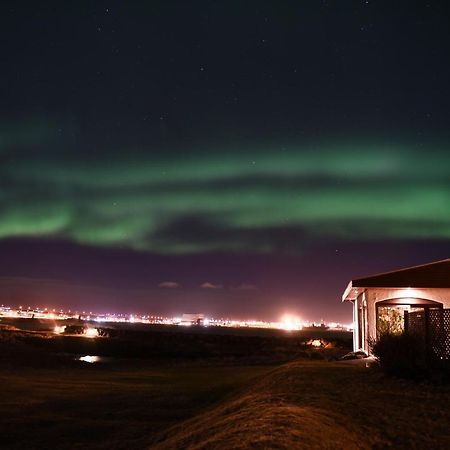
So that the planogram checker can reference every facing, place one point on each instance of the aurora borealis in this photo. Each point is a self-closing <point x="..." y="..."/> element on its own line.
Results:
<point x="230" y="200"/>
<point x="219" y="136"/>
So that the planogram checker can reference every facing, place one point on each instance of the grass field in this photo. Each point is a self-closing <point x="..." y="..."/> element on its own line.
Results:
<point x="307" y="405"/>
<point x="208" y="397"/>
<point x="120" y="407"/>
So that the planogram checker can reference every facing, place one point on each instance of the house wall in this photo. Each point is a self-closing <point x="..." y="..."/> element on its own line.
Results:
<point x="360" y="328"/>
<point x="374" y="295"/>
<point x="355" y="326"/>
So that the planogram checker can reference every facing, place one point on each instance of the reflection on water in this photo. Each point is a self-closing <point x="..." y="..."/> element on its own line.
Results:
<point x="90" y="359"/>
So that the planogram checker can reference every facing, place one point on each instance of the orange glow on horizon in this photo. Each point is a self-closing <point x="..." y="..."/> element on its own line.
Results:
<point x="290" y="323"/>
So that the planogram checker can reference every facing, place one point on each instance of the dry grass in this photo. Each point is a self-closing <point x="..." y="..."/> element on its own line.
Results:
<point x="138" y="403"/>
<point x="110" y="407"/>
<point x="321" y="405"/>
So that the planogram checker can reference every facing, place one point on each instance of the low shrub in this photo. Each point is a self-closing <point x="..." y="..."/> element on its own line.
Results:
<point x="401" y="355"/>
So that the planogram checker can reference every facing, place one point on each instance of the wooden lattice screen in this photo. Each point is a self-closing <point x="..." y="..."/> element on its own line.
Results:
<point x="433" y="326"/>
<point x="415" y="322"/>
<point x="439" y="332"/>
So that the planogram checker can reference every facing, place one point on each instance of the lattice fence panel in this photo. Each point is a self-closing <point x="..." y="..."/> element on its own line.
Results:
<point x="416" y="323"/>
<point x="439" y="332"/>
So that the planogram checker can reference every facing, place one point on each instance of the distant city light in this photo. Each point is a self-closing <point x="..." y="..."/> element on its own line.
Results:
<point x="89" y="359"/>
<point x="288" y="322"/>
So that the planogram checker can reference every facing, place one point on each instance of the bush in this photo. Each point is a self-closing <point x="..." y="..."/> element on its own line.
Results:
<point x="401" y="355"/>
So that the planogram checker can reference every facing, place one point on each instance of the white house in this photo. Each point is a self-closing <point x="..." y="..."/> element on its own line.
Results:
<point x="379" y="301"/>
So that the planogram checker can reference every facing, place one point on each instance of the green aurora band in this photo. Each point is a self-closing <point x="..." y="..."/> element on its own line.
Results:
<point x="225" y="200"/>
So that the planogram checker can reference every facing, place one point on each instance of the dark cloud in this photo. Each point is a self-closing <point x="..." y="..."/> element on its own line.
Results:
<point x="169" y="285"/>
<point x="209" y="285"/>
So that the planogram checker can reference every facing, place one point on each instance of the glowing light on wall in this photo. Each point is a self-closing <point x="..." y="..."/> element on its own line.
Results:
<point x="91" y="332"/>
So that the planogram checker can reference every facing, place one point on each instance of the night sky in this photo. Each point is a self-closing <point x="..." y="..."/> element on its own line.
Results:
<point x="242" y="159"/>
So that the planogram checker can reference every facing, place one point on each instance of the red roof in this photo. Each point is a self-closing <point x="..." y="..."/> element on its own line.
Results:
<point x="431" y="275"/>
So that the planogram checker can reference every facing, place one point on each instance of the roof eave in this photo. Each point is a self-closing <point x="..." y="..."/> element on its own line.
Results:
<point x="346" y="295"/>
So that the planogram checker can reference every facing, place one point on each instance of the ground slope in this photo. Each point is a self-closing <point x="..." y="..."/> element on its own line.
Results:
<point x="320" y="405"/>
